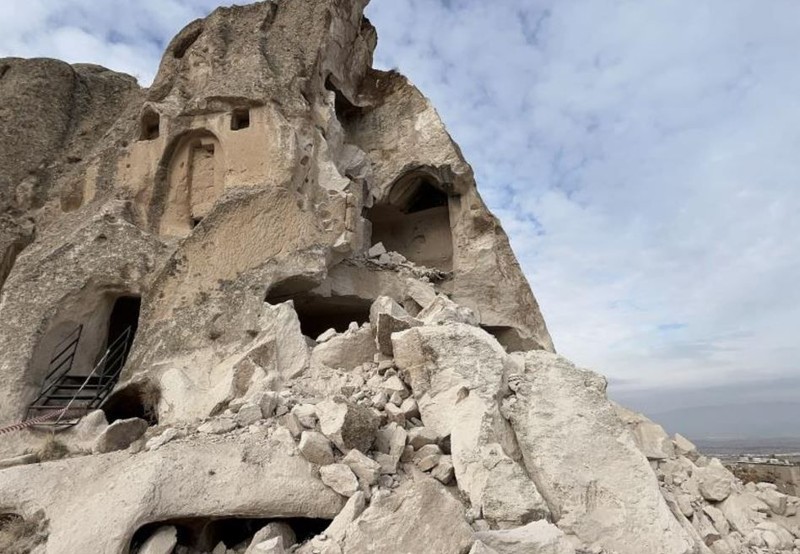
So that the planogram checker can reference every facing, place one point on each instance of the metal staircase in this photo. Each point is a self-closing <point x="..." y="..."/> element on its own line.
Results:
<point x="67" y="396"/>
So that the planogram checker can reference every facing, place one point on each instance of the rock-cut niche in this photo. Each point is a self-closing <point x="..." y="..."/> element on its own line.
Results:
<point x="196" y="178"/>
<point x="85" y="330"/>
<point x="414" y="220"/>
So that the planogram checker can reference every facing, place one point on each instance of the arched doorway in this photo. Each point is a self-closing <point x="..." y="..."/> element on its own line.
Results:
<point x="414" y="220"/>
<point x="196" y="180"/>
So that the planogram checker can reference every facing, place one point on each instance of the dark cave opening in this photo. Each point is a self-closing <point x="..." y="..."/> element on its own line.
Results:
<point x="203" y="534"/>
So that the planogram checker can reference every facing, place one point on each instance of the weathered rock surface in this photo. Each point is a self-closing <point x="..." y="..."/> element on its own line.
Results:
<point x="107" y="497"/>
<point x="119" y="435"/>
<point x="420" y="517"/>
<point x="576" y="448"/>
<point x="347" y="425"/>
<point x="457" y="373"/>
<point x="538" y="537"/>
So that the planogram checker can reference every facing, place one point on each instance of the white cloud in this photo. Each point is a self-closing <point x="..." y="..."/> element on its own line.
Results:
<point x="642" y="155"/>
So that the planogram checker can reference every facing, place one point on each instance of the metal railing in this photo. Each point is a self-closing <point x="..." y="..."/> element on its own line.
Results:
<point x="66" y="350"/>
<point x="98" y="383"/>
<point x="109" y="366"/>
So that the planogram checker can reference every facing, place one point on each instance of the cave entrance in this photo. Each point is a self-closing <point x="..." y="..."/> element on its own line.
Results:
<point x="123" y="323"/>
<point x="81" y="358"/>
<point x="415" y="221"/>
<point x="318" y="313"/>
<point x="204" y="534"/>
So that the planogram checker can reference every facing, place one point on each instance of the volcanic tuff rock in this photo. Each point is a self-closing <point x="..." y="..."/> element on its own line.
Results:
<point x="308" y="334"/>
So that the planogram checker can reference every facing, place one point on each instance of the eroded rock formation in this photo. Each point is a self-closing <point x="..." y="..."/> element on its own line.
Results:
<point x="273" y="273"/>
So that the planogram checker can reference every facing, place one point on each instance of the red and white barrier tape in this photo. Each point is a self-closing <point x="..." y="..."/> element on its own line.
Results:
<point x="36" y="420"/>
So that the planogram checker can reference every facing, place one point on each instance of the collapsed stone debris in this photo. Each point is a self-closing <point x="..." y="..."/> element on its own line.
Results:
<point x="261" y="307"/>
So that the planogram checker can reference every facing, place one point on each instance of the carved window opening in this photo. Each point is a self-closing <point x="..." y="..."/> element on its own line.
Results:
<point x="414" y="220"/>
<point x="240" y="119"/>
<point x="150" y="126"/>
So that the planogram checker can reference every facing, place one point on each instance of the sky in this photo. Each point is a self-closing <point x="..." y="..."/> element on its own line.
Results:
<point x="643" y="156"/>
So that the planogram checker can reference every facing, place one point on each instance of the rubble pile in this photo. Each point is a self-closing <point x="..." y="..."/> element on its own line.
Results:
<point x="261" y="307"/>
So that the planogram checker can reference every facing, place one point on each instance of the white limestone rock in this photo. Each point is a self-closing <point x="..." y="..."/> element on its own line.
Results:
<point x="248" y="415"/>
<point x="316" y="448"/>
<point x="346" y="351"/>
<point x="168" y="435"/>
<point x="270" y="532"/>
<point x="443" y="310"/>
<point x="420" y="436"/>
<point x="419" y="517"/>
<point x="247" y="474"/>
<point x="539" y="537"/>
<point x="268" y="546"/>
<point x="457" y="373"/>
<point x="163" y="541"/>
<point x="119" y="435"/>
<point x="575" y="447"/>
<point x="651" y="438"/>
<point x="340" y="478"/>
<point x="218" y="426"/>
<point x="348" y="425"/>
<point x="365" y="468"/>
<point x="743" y="511"/>
<point x="684" y="447"/>
<point x="715" y="481"/>
<point x="354" y="507"/>
<point x="387" y="317"/>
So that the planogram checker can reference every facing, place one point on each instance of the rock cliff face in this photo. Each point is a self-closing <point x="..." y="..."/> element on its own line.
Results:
<point x="273" y="273"/>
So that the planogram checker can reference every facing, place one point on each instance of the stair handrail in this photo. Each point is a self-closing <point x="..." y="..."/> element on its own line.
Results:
<point x="97" y="366"/>
<point x="72" y="344"/>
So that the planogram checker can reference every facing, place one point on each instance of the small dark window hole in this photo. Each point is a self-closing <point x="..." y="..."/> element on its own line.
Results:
<point x="240" y="119"/>
<point x="151" y="123"/>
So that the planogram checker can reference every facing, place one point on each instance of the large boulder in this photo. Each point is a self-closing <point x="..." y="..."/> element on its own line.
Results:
<point x="119" y="435"/>
<point x="715" y="481"/>
<point x="457" y="373"/>
<point x="598" y="484"/>
<point x="420" y="517"/>
<point x="347" y="350"/>
<point x="107" y="498"/>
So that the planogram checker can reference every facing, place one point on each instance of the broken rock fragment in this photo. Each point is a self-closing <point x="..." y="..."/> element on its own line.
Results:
<point x="365" y="468"/>
<point x="386" y="317"/>
<point x="163" y="541"/>
<point x="346" y="424"/>
<point x="340" y="478"/>
<point x="419" y="517"/>
<point x="315" y="448"/>
<point x="119" y="435"/>
<point x="457" y="373"/>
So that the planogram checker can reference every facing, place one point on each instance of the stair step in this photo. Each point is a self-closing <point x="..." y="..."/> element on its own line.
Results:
<point x="68" y="395"/>
<point x="77" y="387"/>
<point x="78" y="378"/>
